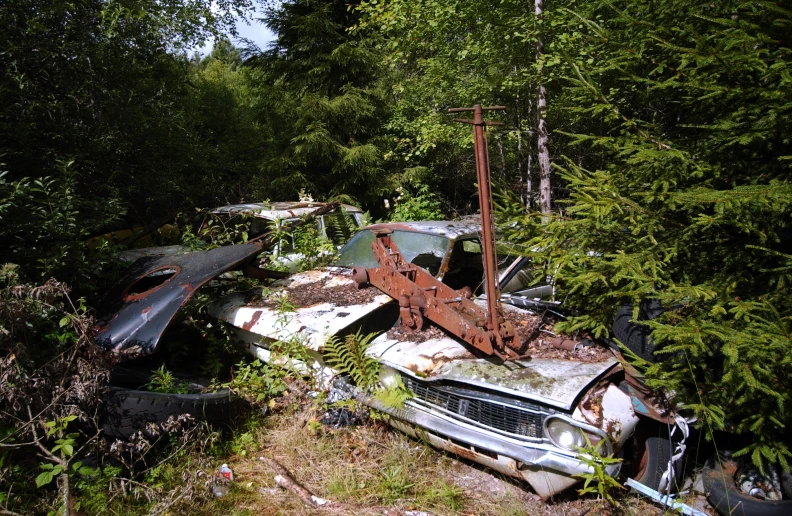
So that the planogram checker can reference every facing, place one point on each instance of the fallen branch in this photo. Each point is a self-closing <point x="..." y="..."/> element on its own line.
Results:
<point x="285" y="480"/>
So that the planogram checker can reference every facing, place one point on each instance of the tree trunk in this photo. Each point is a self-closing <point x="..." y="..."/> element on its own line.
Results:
<point x="541" y="144"/>
<point x="525" y="192"/>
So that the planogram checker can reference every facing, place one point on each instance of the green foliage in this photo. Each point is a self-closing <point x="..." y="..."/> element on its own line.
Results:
<point x="257" y="382"/>
<point x="311" y="248"/>
<point x="327" y="102"/>
<point x="348" y="355"/>
<point x="678" y="182"/>
<point x="163" y="380"/>
<point x="394" y="395"/>
<point x="447" y="495"/>
<point x="395" y="484"/>
<point x="421" y="205"/>
<point x="104" y="123"/>
<point x="604" y="484"/>
<point x="92" y="486"/>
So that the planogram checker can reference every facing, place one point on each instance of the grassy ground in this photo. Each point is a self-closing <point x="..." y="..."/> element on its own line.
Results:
<point x="372" y="469"/>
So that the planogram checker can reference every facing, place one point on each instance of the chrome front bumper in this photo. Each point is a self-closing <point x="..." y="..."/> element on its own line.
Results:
<point x="547" y="468"/>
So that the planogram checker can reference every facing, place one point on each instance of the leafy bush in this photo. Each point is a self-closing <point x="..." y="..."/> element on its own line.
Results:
<point x="423" y="204"/>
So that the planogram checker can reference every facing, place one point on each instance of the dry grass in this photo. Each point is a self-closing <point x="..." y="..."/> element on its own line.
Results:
<point x="374" y="470"/>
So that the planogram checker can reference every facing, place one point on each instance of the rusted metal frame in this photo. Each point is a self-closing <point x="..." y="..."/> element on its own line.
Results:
<point x="420" y="294"/>
<point x="494" y="317"/>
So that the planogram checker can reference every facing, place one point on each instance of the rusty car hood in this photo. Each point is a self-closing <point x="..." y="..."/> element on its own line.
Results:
<point x="135" y="322"/>
<point x="558" y="383"/>
<point x="311" y="306"/>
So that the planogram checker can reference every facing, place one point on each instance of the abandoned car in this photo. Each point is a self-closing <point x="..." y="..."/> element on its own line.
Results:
<point x="255" y="219"/>
<point x="526" y="415"/>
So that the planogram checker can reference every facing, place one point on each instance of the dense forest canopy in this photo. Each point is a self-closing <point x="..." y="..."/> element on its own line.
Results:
<point x="670" y="128"/>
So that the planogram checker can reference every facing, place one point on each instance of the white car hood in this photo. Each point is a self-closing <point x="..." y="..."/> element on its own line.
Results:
<point x="333" y="306"/>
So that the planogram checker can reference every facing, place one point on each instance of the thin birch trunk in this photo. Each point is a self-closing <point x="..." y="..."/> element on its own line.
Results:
<point x="543" y="153"/>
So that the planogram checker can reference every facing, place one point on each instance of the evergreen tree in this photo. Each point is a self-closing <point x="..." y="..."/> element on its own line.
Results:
<point x="681" y="193"/>
<point x="325" y="102"/>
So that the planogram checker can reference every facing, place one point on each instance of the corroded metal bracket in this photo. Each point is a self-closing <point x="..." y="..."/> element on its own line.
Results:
<point x="420" y="296"/>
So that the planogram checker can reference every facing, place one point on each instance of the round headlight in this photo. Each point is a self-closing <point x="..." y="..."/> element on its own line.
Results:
<point x="389" y="377"/>
<point x="564" y="435"/>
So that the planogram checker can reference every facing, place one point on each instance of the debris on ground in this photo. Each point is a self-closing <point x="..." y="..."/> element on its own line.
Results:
<point x="429" y="331"/>
<point x="536" y="330"/>
<point x="665" y="500"/>
<point x="222" y="478"/>
<point x="341" y="417"/>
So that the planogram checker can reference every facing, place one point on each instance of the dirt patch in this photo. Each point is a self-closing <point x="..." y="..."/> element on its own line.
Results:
<point x="535" y="330"/>
<point x="429" y="331"/>
<point x="309" y="294"/>
<point x="372" y="469"/>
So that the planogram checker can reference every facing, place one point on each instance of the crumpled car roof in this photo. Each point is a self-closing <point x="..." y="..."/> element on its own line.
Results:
<point x="451" y="228"/>
<point x="278" y="210"/>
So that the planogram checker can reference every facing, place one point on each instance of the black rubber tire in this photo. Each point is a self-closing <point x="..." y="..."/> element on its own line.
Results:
<point x="635" y="336"/>
<point x="128" y="410"/>
<point x="786" y="484"/>
<point x="727" y="500"/>
<point x="655" y="457"/>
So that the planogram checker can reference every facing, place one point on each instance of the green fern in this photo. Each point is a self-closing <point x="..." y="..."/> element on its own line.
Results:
<point x="394" y="396"/>
<point x="348" y="355"/>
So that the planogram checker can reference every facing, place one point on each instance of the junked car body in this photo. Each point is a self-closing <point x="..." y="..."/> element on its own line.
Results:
<point x="527" y="418"/>
<point x="255" y="219"/>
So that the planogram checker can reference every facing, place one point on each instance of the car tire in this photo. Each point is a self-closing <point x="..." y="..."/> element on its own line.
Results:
<point x="652" y="461"/>
<point x="636" y="336"/>
<point x="128" y="410"/>
<point x="728" y="500"/>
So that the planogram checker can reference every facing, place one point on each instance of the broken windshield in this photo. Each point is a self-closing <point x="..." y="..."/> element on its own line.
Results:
<point x="358" y="252"/>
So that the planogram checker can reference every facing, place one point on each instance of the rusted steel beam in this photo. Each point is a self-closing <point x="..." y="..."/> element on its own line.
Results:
<point x="491" y="286"/>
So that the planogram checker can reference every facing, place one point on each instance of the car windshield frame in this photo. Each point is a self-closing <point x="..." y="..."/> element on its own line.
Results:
<point x="358" y="252"/>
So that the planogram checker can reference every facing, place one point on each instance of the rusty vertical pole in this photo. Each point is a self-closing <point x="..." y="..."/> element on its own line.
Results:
<point x="491" y="286"/>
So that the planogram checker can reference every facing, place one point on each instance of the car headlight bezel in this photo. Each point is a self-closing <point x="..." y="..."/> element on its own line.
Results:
<point x="571" y="436"/>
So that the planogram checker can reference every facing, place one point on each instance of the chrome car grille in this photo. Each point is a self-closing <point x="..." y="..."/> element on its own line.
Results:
<point x="487" y="411"/>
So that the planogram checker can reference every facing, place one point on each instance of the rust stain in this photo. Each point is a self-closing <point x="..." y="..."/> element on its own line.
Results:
<point x="129" y="298"/>
<point x="146" y="310"/>
<point x="187" y="286"/>
<point x="613" y="429"/>
<point x="466" y="453"/>
<point x="253" y="320"/>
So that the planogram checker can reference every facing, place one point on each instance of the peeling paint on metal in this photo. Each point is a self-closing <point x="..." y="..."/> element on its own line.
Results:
<point x="451" y="229"/>
<point x="278" y="210"/>
<point x="619" y="419"/>
<point x="120" y="327"/>
<point x="555" y="382"/>
<point x="315" y="323"/>
<point x="253" y="320"/>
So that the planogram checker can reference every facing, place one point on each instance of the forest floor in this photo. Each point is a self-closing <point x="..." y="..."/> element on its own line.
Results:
<point x="372" y="469"/>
